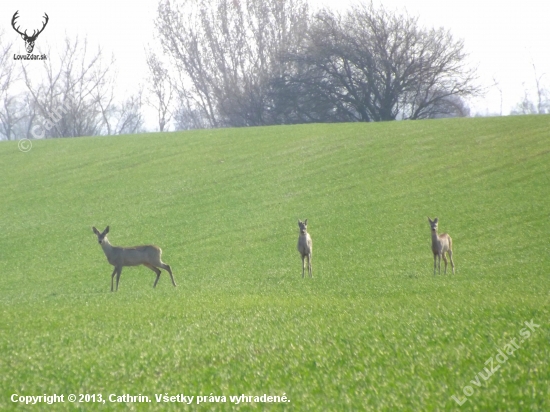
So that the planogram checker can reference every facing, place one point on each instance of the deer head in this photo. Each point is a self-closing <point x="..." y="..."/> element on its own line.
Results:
<point x="433" y="223"/>
<point x="303" y="226"/>
<point x="101" y="236"/>
<point x="29" y="40"/>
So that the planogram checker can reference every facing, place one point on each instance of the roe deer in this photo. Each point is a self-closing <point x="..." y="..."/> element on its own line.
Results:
<point x="305" y="246"/>
<point x="441" y="244"/>
<point x="147" y="255"/>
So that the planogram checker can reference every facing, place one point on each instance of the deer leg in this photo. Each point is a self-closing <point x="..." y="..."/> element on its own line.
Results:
<point x="451" y="259"/>
<point x="112" y="278"/>
<point x="119" y="271"/>
<point x="157" y="279"/>
<point x="439" y="263"/>
<point x="169" y="270"/>
<point x="303" y="263"/>
<point x="154" y="269"/>
<point x="309" y="265"/>
<point x="435" y="260"/>
<point x="445" y="260"/>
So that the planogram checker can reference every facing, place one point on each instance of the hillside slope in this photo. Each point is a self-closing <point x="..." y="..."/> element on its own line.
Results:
<point x="372" y="330"/>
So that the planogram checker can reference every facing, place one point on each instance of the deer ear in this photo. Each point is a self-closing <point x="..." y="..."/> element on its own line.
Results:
<point x="95" y="230"/>
<point x="436" y="220"/>
<point x="106" y="230"/>
<point x="305" y="221"/>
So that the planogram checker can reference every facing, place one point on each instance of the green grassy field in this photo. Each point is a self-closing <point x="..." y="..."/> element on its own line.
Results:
<point x="373" y="330"/>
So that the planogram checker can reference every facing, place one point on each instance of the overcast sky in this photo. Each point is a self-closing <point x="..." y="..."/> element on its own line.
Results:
<point x="504" y="38"/>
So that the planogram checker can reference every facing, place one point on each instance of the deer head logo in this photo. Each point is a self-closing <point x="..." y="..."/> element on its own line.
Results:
<point x="29" y="40"/>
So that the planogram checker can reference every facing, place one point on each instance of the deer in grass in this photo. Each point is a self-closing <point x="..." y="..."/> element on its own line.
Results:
<point x="441" y="244"/>
<point x="305" y="246"/>
<point x="147" y="255"/>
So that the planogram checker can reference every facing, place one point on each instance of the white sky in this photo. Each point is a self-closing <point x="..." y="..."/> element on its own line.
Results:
<point x="504" y="38"/>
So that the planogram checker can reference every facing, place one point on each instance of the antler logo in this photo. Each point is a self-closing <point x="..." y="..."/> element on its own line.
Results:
<point x="29" y="40"/>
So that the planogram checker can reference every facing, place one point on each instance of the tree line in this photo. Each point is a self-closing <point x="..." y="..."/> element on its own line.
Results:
<point x="69" y="95"/>
<point x="257" y="62"/>
<point x="234" y="63"/>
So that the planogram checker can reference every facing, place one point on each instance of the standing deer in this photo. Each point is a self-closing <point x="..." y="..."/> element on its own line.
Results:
<point x="441" y="244"/>
<point x="305" y="246"/>
<point x="147" y="255"/>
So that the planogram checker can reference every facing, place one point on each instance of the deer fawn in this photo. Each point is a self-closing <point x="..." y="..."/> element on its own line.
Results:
<point x="305" y="246"/>
<point x="148" y="255"/>
<point x="441" y="244"/>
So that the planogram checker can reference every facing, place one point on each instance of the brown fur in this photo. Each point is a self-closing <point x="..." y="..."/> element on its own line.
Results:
<point x="441" y="245"/>
<point x="305" y="247"/>
<point x="146" y="255"/>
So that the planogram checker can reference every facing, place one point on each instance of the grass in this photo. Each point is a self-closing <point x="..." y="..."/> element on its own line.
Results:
<point x="373" y="330"/>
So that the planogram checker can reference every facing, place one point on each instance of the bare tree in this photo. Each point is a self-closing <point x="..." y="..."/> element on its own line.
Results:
<point x="11" y="112"/>
<point x="186" y="115"/>
<point x="449" y="106"/>
<point x="182" y="40"/>
<point x="525" y="106"/>
<point x="542" y="103"/>
<point x="29" y="109"/>
<point x="496" y="84"/>
<point x="122" y="117"/>
<point x="160" y="89"/>
<point x="128" y="118"/>
<point x="543" y="95"/>
<point x="374" y="65"/>
<point x="75" y="97"/>
<point x="227" y="53"/>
